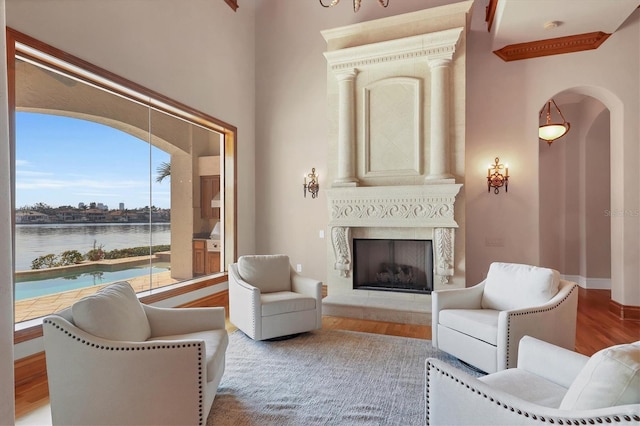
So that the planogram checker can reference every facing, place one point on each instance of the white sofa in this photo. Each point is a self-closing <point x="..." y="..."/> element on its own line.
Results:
<point x="482" y="325"/>
<point x="114" y="361"/>
<point x="268" y="299"/>
<point x="551" y="385"/>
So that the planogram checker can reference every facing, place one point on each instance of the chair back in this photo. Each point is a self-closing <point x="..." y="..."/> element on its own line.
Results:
<point x="270" y="273"/>
<point x="514" y="286"/>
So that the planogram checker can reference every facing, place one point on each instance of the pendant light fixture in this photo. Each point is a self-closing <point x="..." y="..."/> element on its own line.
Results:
<point x="552" y="130"/>
<point x="356" y="4"/>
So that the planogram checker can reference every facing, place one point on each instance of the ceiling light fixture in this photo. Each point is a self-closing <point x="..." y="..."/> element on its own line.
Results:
<point x="550" y="131"/>
<point x="356" y="4"/>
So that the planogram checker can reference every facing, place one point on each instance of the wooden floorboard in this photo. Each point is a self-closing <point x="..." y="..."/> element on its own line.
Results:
<point x="597" y="328"/>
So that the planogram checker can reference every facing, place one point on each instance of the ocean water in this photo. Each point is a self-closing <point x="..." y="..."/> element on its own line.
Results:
<point x="33" y="241"/>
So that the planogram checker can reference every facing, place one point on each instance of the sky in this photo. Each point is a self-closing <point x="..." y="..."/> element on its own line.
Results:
<point x="64" y="161"/>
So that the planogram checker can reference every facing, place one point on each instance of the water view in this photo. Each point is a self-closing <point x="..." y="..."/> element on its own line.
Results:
<point x="33" y="241"/>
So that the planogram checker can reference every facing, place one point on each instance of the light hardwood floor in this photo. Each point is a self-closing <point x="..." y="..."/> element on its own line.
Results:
<point x="597" y="328"/>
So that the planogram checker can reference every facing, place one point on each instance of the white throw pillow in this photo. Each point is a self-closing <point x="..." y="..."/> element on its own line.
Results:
<point x="611" y="377"/>
<point x="513" y="286"/>
<point x="113" y="313"/>
<point x="267" y="272"/>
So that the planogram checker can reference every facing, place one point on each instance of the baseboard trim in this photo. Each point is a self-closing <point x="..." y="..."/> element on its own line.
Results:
<point x="624" y="312"/>
<point x="590" y="283"/>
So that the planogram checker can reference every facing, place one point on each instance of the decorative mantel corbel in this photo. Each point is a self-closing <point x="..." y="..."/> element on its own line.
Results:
<point x="340" y="238"/>
<point x="444" y="244"/>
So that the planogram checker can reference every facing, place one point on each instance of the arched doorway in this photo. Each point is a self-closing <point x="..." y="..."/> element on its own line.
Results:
<point x="578" y="199"/>
<point x="574" y="173"/>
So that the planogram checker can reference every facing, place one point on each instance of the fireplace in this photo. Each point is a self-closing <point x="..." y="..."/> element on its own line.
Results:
<point x="396" y="143"/>
<point x="404" y="266"/>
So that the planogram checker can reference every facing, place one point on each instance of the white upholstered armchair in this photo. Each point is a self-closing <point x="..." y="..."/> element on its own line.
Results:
<point x="550" y="386"/>
<point x="114" y="361"/>
<point x="482" y="325"/>
<point x="268" y="299"/>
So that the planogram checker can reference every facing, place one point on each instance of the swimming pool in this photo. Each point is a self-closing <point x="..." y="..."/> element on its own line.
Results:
<point x="75" y="280"/>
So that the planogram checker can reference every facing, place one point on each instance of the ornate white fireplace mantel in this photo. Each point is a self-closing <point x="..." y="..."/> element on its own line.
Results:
<point x="414" y="206"/>
<point x="396" y="102"/>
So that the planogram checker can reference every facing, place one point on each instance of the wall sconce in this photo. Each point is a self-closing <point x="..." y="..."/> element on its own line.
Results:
<point x="495" y="179"/>
<point x="314" y="184"/>
<point x="552" y="130"/>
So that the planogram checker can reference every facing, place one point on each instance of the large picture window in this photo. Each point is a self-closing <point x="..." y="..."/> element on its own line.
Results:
<point x="111" y="182"/>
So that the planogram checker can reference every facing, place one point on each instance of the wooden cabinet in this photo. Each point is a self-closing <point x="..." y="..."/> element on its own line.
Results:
<point x="212" y="262"/>
<point x="199" y="257"/>
<point x="210" y="190"/>
<point x="204" y="262"/>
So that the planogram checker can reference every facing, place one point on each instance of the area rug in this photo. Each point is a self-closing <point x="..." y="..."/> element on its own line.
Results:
<point x="325" y="377"/>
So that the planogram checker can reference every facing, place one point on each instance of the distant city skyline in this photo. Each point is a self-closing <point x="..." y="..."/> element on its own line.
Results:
<point x="62" y="161"/>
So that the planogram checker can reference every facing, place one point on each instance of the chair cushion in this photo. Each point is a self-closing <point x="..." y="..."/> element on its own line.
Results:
<point x="268" y="272"/>
<point x="113" y="313"/>
<point x="215" y="344"/>
<point x="527" y="386"/>
<point x="283" y="302"/>
<point x="479" y="323"/>
<point x="611" y="377"/>
<point x="513" y="286"/>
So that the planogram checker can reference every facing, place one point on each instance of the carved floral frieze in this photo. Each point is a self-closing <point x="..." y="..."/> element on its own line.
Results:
<point x="424" y="206"/>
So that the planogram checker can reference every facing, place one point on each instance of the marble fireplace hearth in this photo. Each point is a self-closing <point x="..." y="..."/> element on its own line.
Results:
<point x="379" y="309"/>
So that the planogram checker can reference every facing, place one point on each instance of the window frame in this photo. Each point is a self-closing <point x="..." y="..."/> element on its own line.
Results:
<point x="107" y="80"/>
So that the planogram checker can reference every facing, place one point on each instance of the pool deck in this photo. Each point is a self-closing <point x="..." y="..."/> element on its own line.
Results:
<point x="36" y="307"/>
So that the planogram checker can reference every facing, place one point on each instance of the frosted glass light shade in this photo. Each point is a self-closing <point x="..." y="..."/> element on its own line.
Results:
<point x="551" y="132"/>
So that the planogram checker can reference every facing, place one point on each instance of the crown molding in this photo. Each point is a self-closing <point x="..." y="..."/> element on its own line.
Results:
<point x="441" y="44"/>
<point x="552" y="46"/>
<point x="490" y="13"/>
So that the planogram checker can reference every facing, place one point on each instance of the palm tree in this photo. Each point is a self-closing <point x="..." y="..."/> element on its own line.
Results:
<point x="164" y="170"/>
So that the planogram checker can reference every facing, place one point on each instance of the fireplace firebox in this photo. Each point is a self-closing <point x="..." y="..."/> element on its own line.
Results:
<point x="393" y="265"/>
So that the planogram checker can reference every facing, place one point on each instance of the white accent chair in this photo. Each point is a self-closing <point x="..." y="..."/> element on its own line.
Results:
<point x="551" y="385"/>
<point x="112" y="360"/>
<point x="268" y="299"/>
<point x="482" y="325"/>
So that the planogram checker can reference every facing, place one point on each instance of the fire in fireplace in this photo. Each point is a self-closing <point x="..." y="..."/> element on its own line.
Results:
<point x="393" y="265"/>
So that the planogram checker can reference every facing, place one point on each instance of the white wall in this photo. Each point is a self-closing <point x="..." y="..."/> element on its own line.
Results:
<point x="6" y="274"/>
<point x="503" y="101"/>
<point x="292" y="121"/>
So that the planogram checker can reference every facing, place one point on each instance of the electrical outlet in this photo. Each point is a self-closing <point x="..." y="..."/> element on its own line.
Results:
<point x="299" y="267"/>
<point x="321" y="233"/>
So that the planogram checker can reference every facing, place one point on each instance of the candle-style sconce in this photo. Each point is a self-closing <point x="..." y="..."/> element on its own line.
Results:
<point x="495" y="178"/>
<point x="314" y="184"/>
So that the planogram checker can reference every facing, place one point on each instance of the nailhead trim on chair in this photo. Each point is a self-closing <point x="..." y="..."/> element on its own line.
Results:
<point x="550" y="308"/>
<point x="551" y="420"/>
<point x="200" y="347"/>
